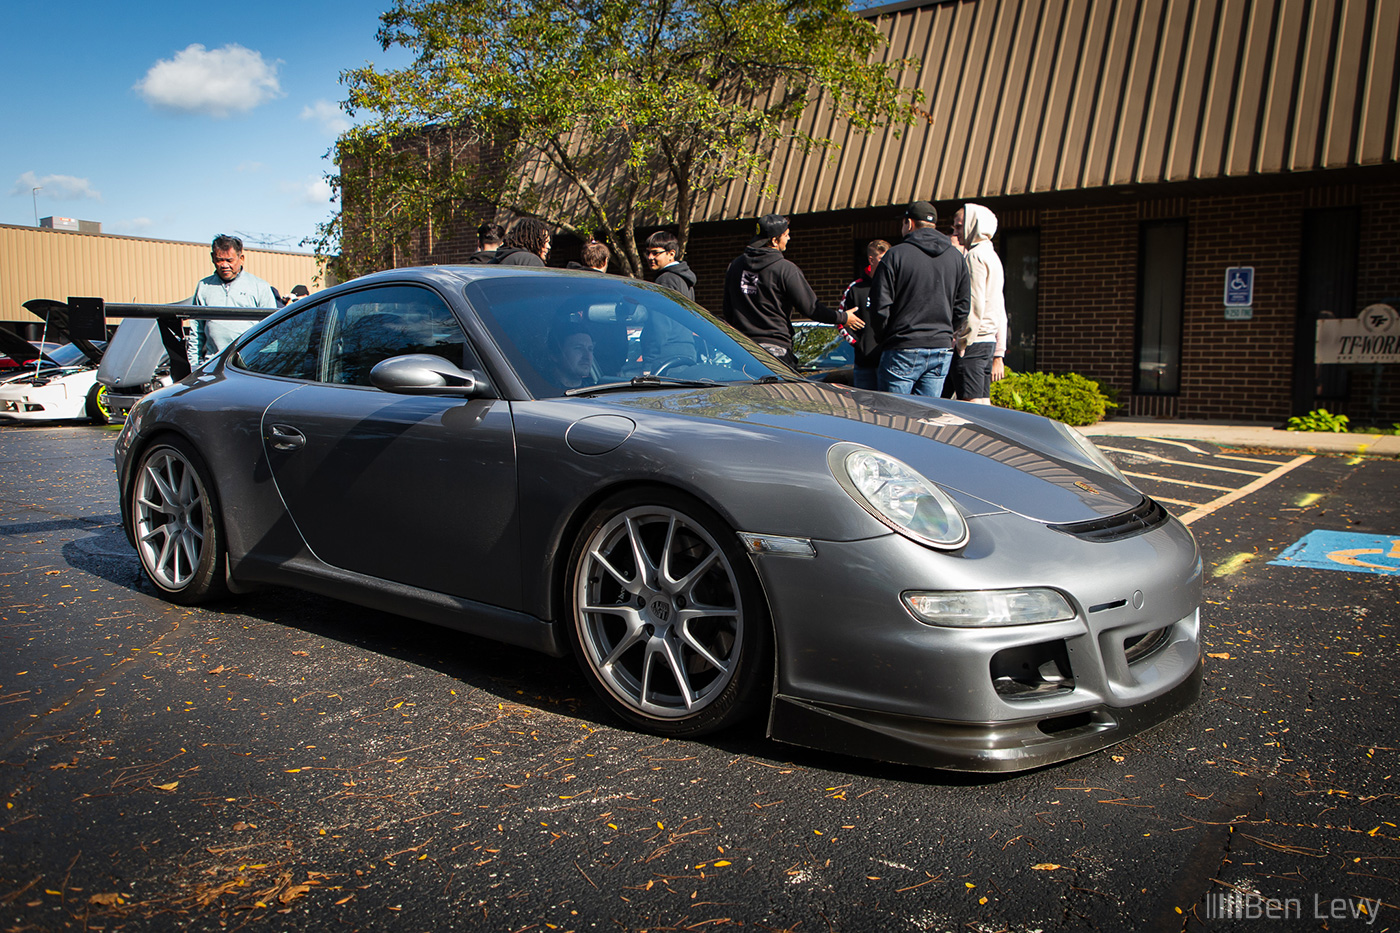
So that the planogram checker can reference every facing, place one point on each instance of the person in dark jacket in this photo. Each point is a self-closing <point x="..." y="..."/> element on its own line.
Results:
<point x="919" y="298"/>
<point x="527" y="244"/>
<point x="856" y="300"/>
<point x="662" y="247"/>
<point x="763" y="290"/>
<point x="489" y="237"/>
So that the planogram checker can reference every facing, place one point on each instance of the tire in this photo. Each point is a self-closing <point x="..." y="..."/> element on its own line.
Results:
<point x="176" y="523"/>
<point x="97" y="404"/>
<point x="666" y="615"/>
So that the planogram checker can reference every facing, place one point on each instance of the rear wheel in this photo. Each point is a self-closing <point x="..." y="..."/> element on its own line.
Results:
<point x="97" y="404"/>
<point x="666" y="615"/>
<point x="175" y="517"/>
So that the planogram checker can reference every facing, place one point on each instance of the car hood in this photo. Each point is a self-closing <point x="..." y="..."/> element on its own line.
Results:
<point x="1009" y="460"/>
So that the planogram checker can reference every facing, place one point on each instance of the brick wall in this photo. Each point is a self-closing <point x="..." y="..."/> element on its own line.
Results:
<point x="1230" y="370"/>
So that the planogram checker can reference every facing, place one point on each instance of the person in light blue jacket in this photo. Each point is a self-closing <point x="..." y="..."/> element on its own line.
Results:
<point x="229" y="287"/>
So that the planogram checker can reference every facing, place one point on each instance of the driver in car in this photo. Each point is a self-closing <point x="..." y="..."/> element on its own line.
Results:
<point x="571" y="356"/>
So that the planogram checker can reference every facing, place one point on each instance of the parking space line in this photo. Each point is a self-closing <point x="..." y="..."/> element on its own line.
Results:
<point x="1191" y="447"/>
<point x="1243" y="491"/>
<point x="1185" y="463"/>
<point x="1191" y="505"/>
<point x="1246" y="459"/>
<point x="1179" y="482"/>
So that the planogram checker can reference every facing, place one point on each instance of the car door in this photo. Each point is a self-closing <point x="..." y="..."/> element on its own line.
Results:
<point x="418" y="490"/>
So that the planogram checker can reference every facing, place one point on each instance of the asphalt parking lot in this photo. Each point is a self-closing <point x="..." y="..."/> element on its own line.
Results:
<point x="290" y="762"/>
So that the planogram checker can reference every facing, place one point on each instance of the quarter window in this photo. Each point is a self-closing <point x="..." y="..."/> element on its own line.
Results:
<point x="365" y="327"/>
<point x="284" y="349"/>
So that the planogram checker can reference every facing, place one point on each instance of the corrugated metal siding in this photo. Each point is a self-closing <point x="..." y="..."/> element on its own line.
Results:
<point x="1024" y="96"/>
<point x="40" y="263"/>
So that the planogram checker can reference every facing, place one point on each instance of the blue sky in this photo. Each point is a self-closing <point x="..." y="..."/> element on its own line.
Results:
<point x="177" y="120"/>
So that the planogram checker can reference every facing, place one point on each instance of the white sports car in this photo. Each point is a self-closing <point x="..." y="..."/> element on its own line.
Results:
<point x="58" y="384"/>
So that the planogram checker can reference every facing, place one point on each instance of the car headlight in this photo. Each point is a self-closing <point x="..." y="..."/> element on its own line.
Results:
<point x="977" y="608"/>
<point x="898" y="495"/>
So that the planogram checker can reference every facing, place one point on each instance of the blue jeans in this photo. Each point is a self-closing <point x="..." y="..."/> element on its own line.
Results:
<point x="916" y="371"/>
<point x="865" y="377"/>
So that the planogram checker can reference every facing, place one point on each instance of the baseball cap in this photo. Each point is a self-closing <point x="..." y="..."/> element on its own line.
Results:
<point x="922" y="211"/>
<point x="771" y="226"/>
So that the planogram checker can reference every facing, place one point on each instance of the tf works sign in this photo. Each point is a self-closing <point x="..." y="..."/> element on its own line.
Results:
<point x="1373" y="336"/>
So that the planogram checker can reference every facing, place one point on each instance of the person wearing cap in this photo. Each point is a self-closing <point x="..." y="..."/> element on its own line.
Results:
<point x="763" y="290"/>
<point x="918" y="301"/>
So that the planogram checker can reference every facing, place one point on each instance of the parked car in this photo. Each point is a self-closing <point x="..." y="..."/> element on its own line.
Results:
<point x="823" y="352"/>
<point x="57" y="383"/>
<point x="135" y="363"/>
<point x="711" y="535"/>
<point x="28" y="355"/>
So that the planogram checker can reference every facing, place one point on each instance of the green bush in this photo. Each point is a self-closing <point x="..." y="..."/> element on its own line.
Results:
<point x="1319" y="419"/>
<point x="1069" y="398"/>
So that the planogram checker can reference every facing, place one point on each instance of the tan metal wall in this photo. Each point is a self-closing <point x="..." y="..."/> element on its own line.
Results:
<point x="40" y="263"/>
<point x="1027" y="96"/>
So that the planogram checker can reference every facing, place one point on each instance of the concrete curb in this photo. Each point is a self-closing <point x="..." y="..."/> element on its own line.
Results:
<point x="1242" y="435"/>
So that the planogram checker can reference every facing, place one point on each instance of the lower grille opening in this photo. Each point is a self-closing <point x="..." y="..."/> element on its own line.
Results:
<point x="1060" y="724"/>
<point x="1030" y="671"/>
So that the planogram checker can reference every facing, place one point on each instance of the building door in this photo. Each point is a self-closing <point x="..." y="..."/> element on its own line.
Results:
<point x="1020" y="251"/>
<point x="1326" y="289"/>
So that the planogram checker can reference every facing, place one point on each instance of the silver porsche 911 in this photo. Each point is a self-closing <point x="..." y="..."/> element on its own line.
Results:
<point x="586" y="464"/>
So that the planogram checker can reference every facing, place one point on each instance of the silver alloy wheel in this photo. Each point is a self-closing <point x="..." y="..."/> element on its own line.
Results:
<point x="661" y="621"/>
<point x="170" y="517"/>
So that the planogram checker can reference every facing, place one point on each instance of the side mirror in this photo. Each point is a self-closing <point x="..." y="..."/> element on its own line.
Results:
<point x="424" y="374"/>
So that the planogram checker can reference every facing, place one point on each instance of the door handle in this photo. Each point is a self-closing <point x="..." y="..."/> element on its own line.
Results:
<point x="285" y="437"/>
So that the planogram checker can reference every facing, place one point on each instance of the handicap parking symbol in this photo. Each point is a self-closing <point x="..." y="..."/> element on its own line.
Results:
<point x="1342" y="550"/>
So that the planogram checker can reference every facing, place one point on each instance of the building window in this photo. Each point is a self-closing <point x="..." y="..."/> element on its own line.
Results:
<point x="1020" y="252"/>
<point x="1161" y="290"/>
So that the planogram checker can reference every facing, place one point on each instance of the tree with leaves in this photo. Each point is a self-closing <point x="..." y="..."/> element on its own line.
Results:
<point x="599" y="115"/>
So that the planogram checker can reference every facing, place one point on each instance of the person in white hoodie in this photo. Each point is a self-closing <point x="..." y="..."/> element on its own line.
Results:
<point x="981" y="342"/>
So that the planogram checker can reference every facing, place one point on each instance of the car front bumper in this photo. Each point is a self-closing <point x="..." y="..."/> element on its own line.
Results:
<point x="860" y="675"/>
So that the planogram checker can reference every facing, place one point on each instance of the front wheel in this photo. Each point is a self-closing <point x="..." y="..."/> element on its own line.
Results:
<point x="97" y="404"/>
<point x="175" y="519"/>
<point x="666" y="615"/>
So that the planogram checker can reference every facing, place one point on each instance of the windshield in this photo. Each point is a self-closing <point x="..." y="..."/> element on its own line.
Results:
<point x="571" y="331"/>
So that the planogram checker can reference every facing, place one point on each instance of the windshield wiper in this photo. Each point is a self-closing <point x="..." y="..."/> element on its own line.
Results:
<point x="645" y="381"/>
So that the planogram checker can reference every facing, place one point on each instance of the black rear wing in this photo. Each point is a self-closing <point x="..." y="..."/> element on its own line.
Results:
<point x="85" y="320"/>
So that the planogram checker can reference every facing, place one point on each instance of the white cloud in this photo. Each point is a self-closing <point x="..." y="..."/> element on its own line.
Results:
<point x="328" y="116"/>
<point x="219" y="83"/>
<point x="56" y="187"/>
<point x="314" y="190"/>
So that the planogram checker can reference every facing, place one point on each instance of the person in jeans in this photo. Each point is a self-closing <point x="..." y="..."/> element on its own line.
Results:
<point x="918" y="300"/>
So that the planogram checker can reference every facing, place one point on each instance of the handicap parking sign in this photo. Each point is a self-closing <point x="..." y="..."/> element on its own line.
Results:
<point x="1344" y="550"/>
<point x="1239" y="286"/>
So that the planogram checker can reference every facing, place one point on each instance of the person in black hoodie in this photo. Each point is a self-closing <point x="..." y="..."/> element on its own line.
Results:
<point x="762" y="291"/>
<point x="527" y="244"/>
<point x="662" y="247"/>
<point x="920" y="297"/>
<point x="488" y="239"/>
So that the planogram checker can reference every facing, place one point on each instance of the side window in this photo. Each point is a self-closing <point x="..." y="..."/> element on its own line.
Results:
<point x="366" y="327"/>
<point x="284" y="349"/>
